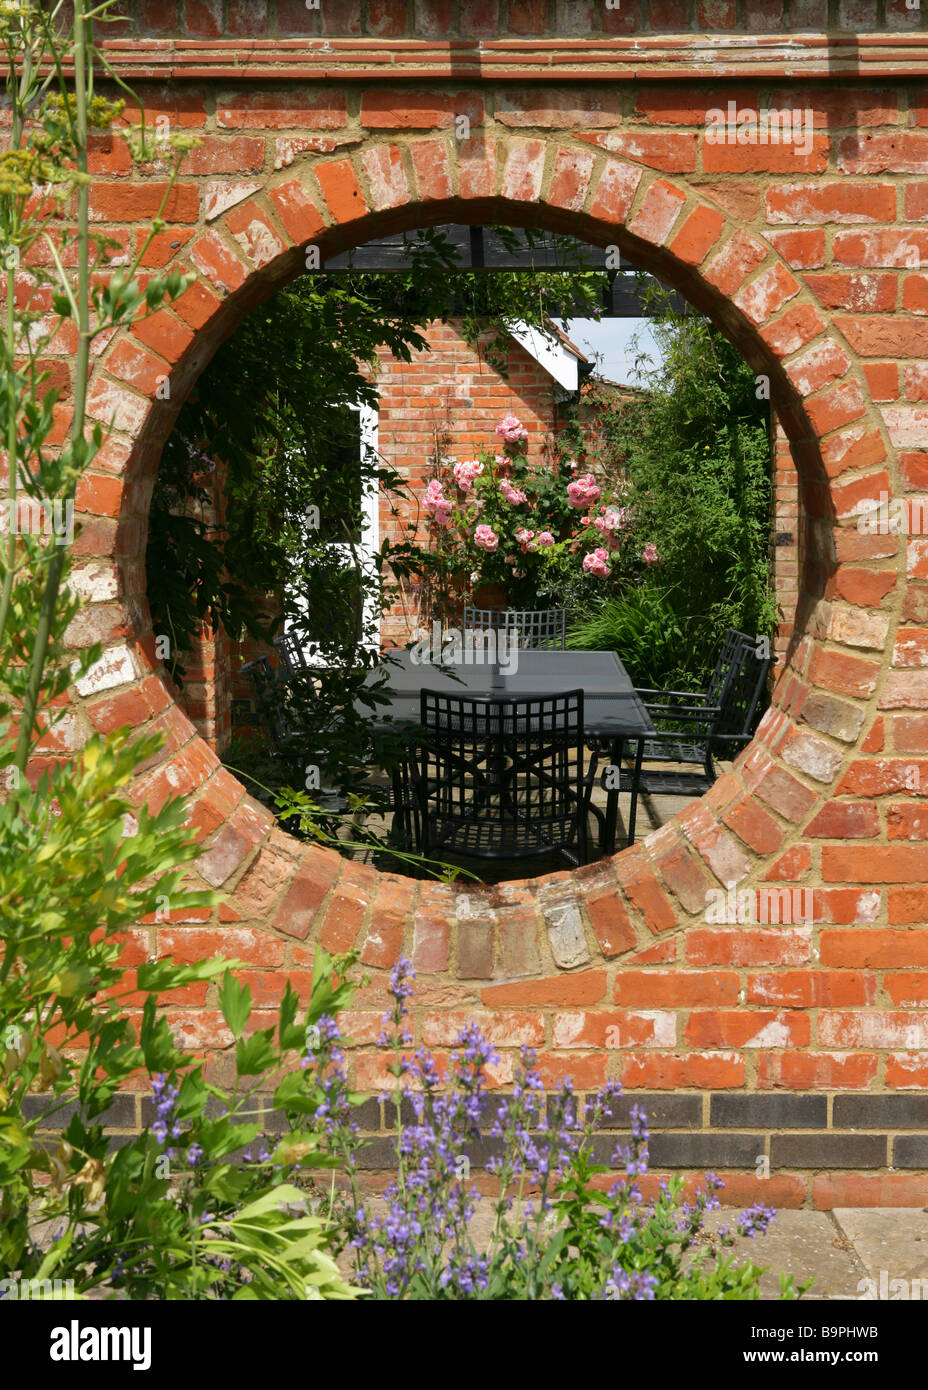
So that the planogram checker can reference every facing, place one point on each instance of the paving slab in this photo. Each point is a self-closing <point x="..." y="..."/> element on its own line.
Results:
<point x="891" y="1244"/>
<point x="805" y="1244"/>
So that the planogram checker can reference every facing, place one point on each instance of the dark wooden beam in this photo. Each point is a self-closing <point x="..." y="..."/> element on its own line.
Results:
<point x="483" y="250"/>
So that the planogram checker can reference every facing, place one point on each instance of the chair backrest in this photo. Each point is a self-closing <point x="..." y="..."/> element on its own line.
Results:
<point x="290" y="654"/>
<point x="542" y="627"/>
<point x="731" y="644"/>
<point x="741" y="693"/>
<point x="498" y="765"/>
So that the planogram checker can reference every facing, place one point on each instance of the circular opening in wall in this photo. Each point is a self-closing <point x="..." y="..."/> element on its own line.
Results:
<point x="370" y="445"/>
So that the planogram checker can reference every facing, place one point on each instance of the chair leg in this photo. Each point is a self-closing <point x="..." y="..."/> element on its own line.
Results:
<point x="636" y="780"/>
<point x="607" y="834"/>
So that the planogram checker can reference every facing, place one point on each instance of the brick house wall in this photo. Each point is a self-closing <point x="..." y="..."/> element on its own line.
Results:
<point x="807" y="1043"/>
<point x="449" y="398"/>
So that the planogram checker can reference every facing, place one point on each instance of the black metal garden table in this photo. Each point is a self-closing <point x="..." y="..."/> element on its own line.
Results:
<point x="614" y="717"/>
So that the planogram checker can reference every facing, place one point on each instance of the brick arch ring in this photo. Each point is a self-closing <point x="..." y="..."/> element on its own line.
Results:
<point x="627" y="934"/>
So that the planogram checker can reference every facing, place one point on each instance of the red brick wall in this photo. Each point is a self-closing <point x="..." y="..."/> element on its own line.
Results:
<point x="448" y="398"/>
<point x="734" y="1025"/>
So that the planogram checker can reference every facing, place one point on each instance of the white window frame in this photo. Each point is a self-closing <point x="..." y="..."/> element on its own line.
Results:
<point x="366" y="548"/>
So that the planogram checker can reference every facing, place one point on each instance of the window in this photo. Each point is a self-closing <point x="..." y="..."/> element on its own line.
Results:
<point x="343" y="606"/>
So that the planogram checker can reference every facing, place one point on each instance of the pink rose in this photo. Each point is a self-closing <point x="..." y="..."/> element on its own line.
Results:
<point x="436" y="505"/>
<point x="595" y="563"/>
<point x="545" y="538"/>
<point x="651" y="556"/>
<point x="513" y="495"/>
<point x="511" y="429"/>
<point x="612" y="519"/>
<point x="465" y="473"/>
<point x="485" y="537"/>
<point x="582" y="492"/>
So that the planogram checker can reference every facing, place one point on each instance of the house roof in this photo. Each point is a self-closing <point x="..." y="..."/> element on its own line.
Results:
<point x="560" y="358"/>
<point x="563" y="338"/>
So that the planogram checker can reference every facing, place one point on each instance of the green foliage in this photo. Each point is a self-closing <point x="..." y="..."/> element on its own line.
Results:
<point x="80" y="863"/>
<point x="643" y="626"/>
<point x="697" y="450"/>
<point x="274" y="407"/>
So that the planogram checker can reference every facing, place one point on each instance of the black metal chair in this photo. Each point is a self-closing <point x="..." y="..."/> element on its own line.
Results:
<point x="271" y="687"/>
<point x="544" y="627"/>
<point x="290" y="655"/>
<point x="501" y="778"/>
<point x="697" y="727"/>
<point x="269" y="705"/>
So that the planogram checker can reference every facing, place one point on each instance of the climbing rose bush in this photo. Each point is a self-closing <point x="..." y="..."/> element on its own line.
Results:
<point x="499" y="520"/>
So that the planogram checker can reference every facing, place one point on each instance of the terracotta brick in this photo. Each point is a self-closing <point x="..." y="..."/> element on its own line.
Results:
<point x="524" y="169"/>
<point x="830" y="1190"/>
<point x="754" y="826"/>
<point x="738" y="257"/>
<point x="217" y="262"/>
<point x="419" y="110"/>
<point x="610" y="921"/>
<point x="812" y="1071"/>
<point x="570" y="179"/>
<point x="297" y="211"/>
<point x="341" y="190"/>
<point x="811" y="988"/>
<point x="681" y="989"/>
<point x="386" y="176"/>
<point x="475" y="950"/>
<point x="790" y="866"/>
<point x="431" y="941"/>
<point x="390" y="911"/>
<point x="811" y="203"/>
<point x="748" y="946"/>
<point x="282" y="110"/>
<point x="752" y="1028"/>
<point x="678" y="1071"/>
<point x="673" y="152"/>
<point x="658" y="212"/>
<point x="615" y="191"/>
<point x="644" y="892"/>
<point x="433" y="169"/>
<point x="519" y="943"/>
<point x="845" y="820"/>
<point x="698" y="235"/>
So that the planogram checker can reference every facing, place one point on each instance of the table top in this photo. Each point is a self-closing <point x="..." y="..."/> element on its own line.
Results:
<point x="611" y="709"/>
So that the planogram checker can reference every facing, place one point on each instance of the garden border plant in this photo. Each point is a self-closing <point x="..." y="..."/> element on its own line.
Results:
<point x="70" y="1027"/>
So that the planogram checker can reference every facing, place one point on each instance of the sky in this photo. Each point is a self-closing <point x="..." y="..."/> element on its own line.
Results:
<point x="613" y="339"/>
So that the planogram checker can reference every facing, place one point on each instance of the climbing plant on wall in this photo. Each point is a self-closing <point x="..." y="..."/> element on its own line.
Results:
<point x="271" y="407"/>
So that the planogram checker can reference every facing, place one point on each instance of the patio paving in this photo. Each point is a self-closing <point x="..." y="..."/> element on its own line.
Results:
<point x="838" y="1250"/>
